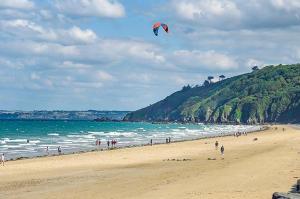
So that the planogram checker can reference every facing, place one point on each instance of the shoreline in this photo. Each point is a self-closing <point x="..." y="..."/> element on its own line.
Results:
<point x="262" y="128"/>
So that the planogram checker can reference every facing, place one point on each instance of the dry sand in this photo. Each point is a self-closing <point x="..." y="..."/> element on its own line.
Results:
<point x="250" y="169"/>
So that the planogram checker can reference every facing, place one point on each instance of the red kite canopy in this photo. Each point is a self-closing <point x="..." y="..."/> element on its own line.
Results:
<point x="157" y="25"/>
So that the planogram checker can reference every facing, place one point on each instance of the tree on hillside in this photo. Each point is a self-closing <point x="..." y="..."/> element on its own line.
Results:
<point x="222" y="77"/>
<point x="255" y="68"/>
<point x="206" y="83"/>
<point x="210" y="78"/>
<point x="185" y="88"/>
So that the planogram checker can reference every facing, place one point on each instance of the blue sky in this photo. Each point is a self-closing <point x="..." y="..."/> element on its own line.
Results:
<point x="102" y="54"/>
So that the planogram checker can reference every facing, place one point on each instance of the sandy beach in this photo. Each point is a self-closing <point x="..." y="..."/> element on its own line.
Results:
<point x="250" y="169"/>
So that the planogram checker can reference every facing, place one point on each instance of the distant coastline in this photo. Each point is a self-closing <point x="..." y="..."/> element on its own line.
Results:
<point x="42" y="115"/>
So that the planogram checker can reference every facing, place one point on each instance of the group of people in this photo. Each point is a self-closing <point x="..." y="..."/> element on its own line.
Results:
<point x="276" y="128"/>
<point x="59" y="151"/>
<point x="222" y="149"/>
<point x="237" y="134"/>
<point x="168" y="140"/>
<point x="111" y="143"/>
<point x="98" y="142"/>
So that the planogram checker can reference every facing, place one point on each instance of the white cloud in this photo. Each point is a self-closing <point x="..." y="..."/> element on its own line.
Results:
<point x="98" y="8"/>
<point x="28" y="29"/>
<point x="32" y="49"/>
<point x="85" y="36"/>
<point x="73" y="65"/>
<point x="103" y="76"/>
<point x="34" y="76"/>
<point x="5" y="62"/>
<point x="213" y="12"/>
<point x="236" y="14"/>
<point x="210" y="60"/>
<point x="21" y="23"/>
<point x="46" y="14"/>
<point x="18" y="4"/>
<point x="113" y="52"/>
<point x="288" y="5"/>
<point x="206" y="9"/>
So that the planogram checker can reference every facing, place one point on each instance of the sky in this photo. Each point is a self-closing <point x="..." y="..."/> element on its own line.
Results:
<point x="103" y="55"/>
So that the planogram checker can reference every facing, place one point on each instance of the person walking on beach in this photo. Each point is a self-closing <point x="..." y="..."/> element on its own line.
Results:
<point x="222" y="150"/>
<point x="151" y="142"/>
<point x="2" y="159"/>
<point x="108" y="142"/>
<point x="169" y="139"/>
<point x="47" y="150"/>
<point x="217" y="144"/>
<point x="59" y="150"/>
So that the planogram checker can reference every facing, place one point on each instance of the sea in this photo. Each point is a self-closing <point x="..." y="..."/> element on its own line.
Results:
<point x="29" y="138"/>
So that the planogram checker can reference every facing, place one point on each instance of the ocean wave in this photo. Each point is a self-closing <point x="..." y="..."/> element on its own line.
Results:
<point x="16" y="140"/>
<point x="11" y="146"/>
<point x="121" y="134"/>
<point x="86" y="136"/>
<point x="53" y="134"/>
<point x="96" y="132"/>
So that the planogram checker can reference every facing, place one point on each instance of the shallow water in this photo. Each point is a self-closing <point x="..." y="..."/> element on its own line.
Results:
<point x="75" y="136"/>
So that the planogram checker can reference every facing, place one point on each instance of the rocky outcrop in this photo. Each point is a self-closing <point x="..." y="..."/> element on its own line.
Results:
<point x="286" y="196"/>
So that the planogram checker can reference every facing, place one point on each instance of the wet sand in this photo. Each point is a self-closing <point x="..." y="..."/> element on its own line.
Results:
<point x="250" y="169"/>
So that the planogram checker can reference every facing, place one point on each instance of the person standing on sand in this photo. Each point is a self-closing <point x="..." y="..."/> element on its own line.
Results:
<point x="217" y="145"/>
<point x="151" y="142"/>
<point x="169" y="139"/>
<point x="108" y="144"/>
<point x="59" y="150"/>
<point x="47" y="150"/>
<point x="222" y="150"/>
<point x="112" y="143"/>
<point x="2" y="159"/>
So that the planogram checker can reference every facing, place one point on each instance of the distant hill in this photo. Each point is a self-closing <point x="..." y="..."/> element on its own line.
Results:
<point x="61" y="115"/>
<point x="271" y="94"/>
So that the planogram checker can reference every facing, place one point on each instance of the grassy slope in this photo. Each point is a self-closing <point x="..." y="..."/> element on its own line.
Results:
<point x="271" y="94"/>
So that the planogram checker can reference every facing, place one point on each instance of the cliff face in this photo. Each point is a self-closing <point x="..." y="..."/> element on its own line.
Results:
<point x="271" y="94"/>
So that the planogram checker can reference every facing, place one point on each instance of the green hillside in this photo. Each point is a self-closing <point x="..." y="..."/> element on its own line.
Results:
<point x="271" y="94"/>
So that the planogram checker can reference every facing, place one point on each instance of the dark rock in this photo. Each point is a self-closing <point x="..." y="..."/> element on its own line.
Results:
<point x="277" y="195"/>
